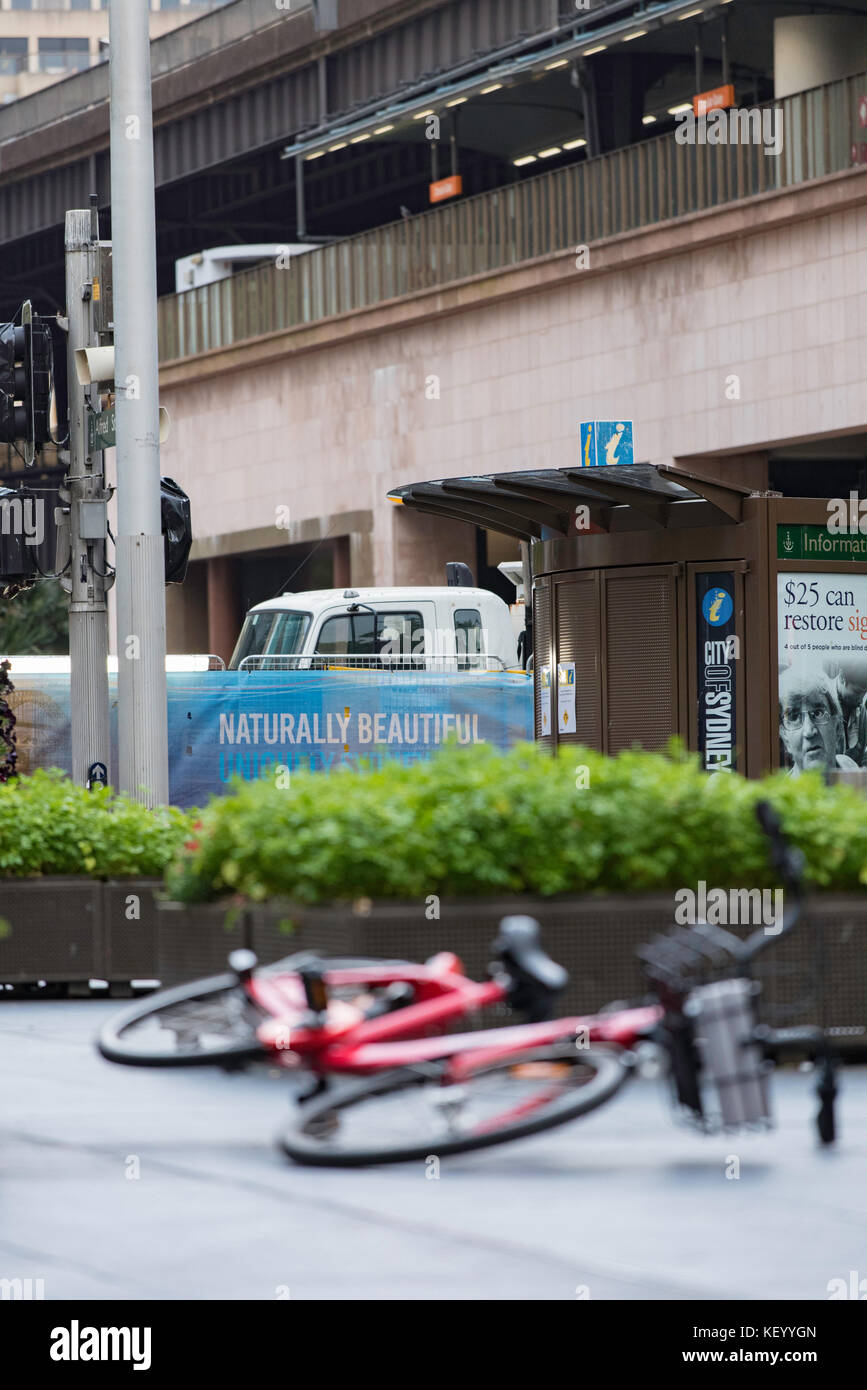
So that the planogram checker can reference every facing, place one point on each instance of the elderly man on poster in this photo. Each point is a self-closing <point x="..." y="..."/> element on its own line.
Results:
<point x="849" y="674"/>
<point x="812" y="723"/>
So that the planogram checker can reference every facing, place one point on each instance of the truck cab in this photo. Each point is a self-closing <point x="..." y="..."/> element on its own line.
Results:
<point x="417" y="629"/>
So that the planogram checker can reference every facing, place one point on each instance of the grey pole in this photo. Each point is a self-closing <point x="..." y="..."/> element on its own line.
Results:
<point x="141" y="600"/>
<point x="84" y="580"/>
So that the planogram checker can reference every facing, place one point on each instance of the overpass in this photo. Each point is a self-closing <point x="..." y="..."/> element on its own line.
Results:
<point x="230" y="90"/>
<point x="472" y="335"/>
<point x="717" y="299"/>
<point x="277" y="123"/>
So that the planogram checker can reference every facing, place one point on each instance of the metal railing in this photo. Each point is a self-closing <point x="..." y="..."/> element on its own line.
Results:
<point x="398" y="664"/>
<point x="620" y="192"/>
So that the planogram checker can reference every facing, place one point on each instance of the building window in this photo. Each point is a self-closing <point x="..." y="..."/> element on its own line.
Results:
<point x="13" y="56"/>
<point x="63" y="55"/>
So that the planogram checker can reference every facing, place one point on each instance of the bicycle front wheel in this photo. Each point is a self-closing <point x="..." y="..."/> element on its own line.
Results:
<point x="210" y="1022"/>
<point x="410" y="1114"/>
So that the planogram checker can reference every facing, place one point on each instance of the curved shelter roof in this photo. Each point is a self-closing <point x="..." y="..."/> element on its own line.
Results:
<point x="539" y="504"/>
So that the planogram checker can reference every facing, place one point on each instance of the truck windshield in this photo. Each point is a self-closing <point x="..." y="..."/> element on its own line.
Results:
<point x="254" y="634"/>
<point x="287" y="639"/>
<point x="274" y="634"/>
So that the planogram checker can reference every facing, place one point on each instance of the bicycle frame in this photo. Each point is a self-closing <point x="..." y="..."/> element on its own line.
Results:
<point x="347" y="1043"/>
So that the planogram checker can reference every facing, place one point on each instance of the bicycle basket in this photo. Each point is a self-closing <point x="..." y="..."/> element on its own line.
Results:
<point x="717" y="1071"/>
<point x="792" y="973"/>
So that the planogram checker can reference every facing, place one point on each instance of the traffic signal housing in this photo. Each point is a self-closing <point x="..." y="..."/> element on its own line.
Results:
<point x="26" y="359"/>
<point x="176" y="528"/>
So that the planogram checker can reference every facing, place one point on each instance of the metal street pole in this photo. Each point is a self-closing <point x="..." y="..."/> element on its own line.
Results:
<point x="86" y="493"/>
<point x="141" y="601"/>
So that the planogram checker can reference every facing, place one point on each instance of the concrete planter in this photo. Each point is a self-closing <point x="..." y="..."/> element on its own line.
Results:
<point x="52" y="931"/>
<point x="68" y="930"/>
<point x="195" y="941"/>
<point x="129" y="929"/>
<point x="596" y="939"/>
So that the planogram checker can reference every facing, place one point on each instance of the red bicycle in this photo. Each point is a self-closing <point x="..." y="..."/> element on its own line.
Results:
<point x="389" y="1085"/>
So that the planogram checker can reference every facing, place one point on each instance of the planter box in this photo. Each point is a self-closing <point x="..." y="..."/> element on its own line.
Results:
<point x="596" y="939"/>
<point x="53" y="930"/>
<point x="195" y="941"/>
<point x="72" y="930"/>
<point x="69" y="930"/>
<point x="129" y="930"/>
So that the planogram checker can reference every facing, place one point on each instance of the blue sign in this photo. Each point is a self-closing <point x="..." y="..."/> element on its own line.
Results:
<point x="606" y="443"/>
<point x="588" y="444"/>
<point x="717" y="607"/>
<point x="251" y="724"/>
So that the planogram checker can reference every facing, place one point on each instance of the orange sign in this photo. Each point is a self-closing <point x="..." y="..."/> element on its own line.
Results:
<point x="451" y="187"/>
<point x="717" y="100"/>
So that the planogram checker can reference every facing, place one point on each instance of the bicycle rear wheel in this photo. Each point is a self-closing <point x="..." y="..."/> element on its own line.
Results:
<point x="409" y="1114"/>
<point x="210" y="1022"/>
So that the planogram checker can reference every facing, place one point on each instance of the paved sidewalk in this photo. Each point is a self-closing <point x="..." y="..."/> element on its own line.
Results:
<point x="623" y="1202"/>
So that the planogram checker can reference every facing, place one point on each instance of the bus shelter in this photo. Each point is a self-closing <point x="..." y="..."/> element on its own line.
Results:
<point x="667" y="602"/>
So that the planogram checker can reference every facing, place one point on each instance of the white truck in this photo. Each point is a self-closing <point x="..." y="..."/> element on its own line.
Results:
<point x="452" y="628"/>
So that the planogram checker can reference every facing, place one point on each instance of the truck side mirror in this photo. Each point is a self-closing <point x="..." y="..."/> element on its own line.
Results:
<point x="459" y="575"/>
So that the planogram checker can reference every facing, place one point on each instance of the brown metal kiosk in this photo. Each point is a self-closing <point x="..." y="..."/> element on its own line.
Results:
<point x="667" y="603"/>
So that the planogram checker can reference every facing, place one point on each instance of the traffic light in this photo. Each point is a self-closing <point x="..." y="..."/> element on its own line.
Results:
<point x="177" y="529"/>
<point x="25" y="383"/>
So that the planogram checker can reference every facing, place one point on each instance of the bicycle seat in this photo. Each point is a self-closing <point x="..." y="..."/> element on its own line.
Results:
<point x="535" y="979"/>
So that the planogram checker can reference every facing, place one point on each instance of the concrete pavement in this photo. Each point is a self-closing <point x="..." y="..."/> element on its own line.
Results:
<point x="623" y="1204"/>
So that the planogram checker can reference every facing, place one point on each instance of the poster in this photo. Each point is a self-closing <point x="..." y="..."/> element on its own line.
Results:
<point x="822" y="650"/>
<point x="545" y="710"/>
<point x="716" y="650"/>
<point x="566" y="723"/>
<point x="249" y="724"/>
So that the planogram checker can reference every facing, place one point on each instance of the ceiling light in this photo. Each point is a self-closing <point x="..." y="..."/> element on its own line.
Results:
<point x="560" y="63"/>
<point x="420" y="115"/>
<point x="525" y="159"/>
<point x="648" y="120"/>
<point x="317" y="154"/>
<point x="341" y="146"/>
<point x="639" y="34"/>
<point x="574" y="144"/>
<point x="676" y="110"/>
<point x="550" y="152"/>
<point x="357" y="139"/>
<point x="600" y="48"/>
<point x="458" y="101"/>
<point x="495" y="87"/>
<point x="690" y="14"/>
<point x="383" y="130"/>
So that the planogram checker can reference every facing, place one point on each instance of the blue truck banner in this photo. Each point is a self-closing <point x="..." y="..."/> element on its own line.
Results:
<point x="225" y="724"/>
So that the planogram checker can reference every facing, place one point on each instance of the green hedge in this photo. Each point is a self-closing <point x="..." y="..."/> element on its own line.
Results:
<point x="477" y="822"/>
<point x="50" y="826"/>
